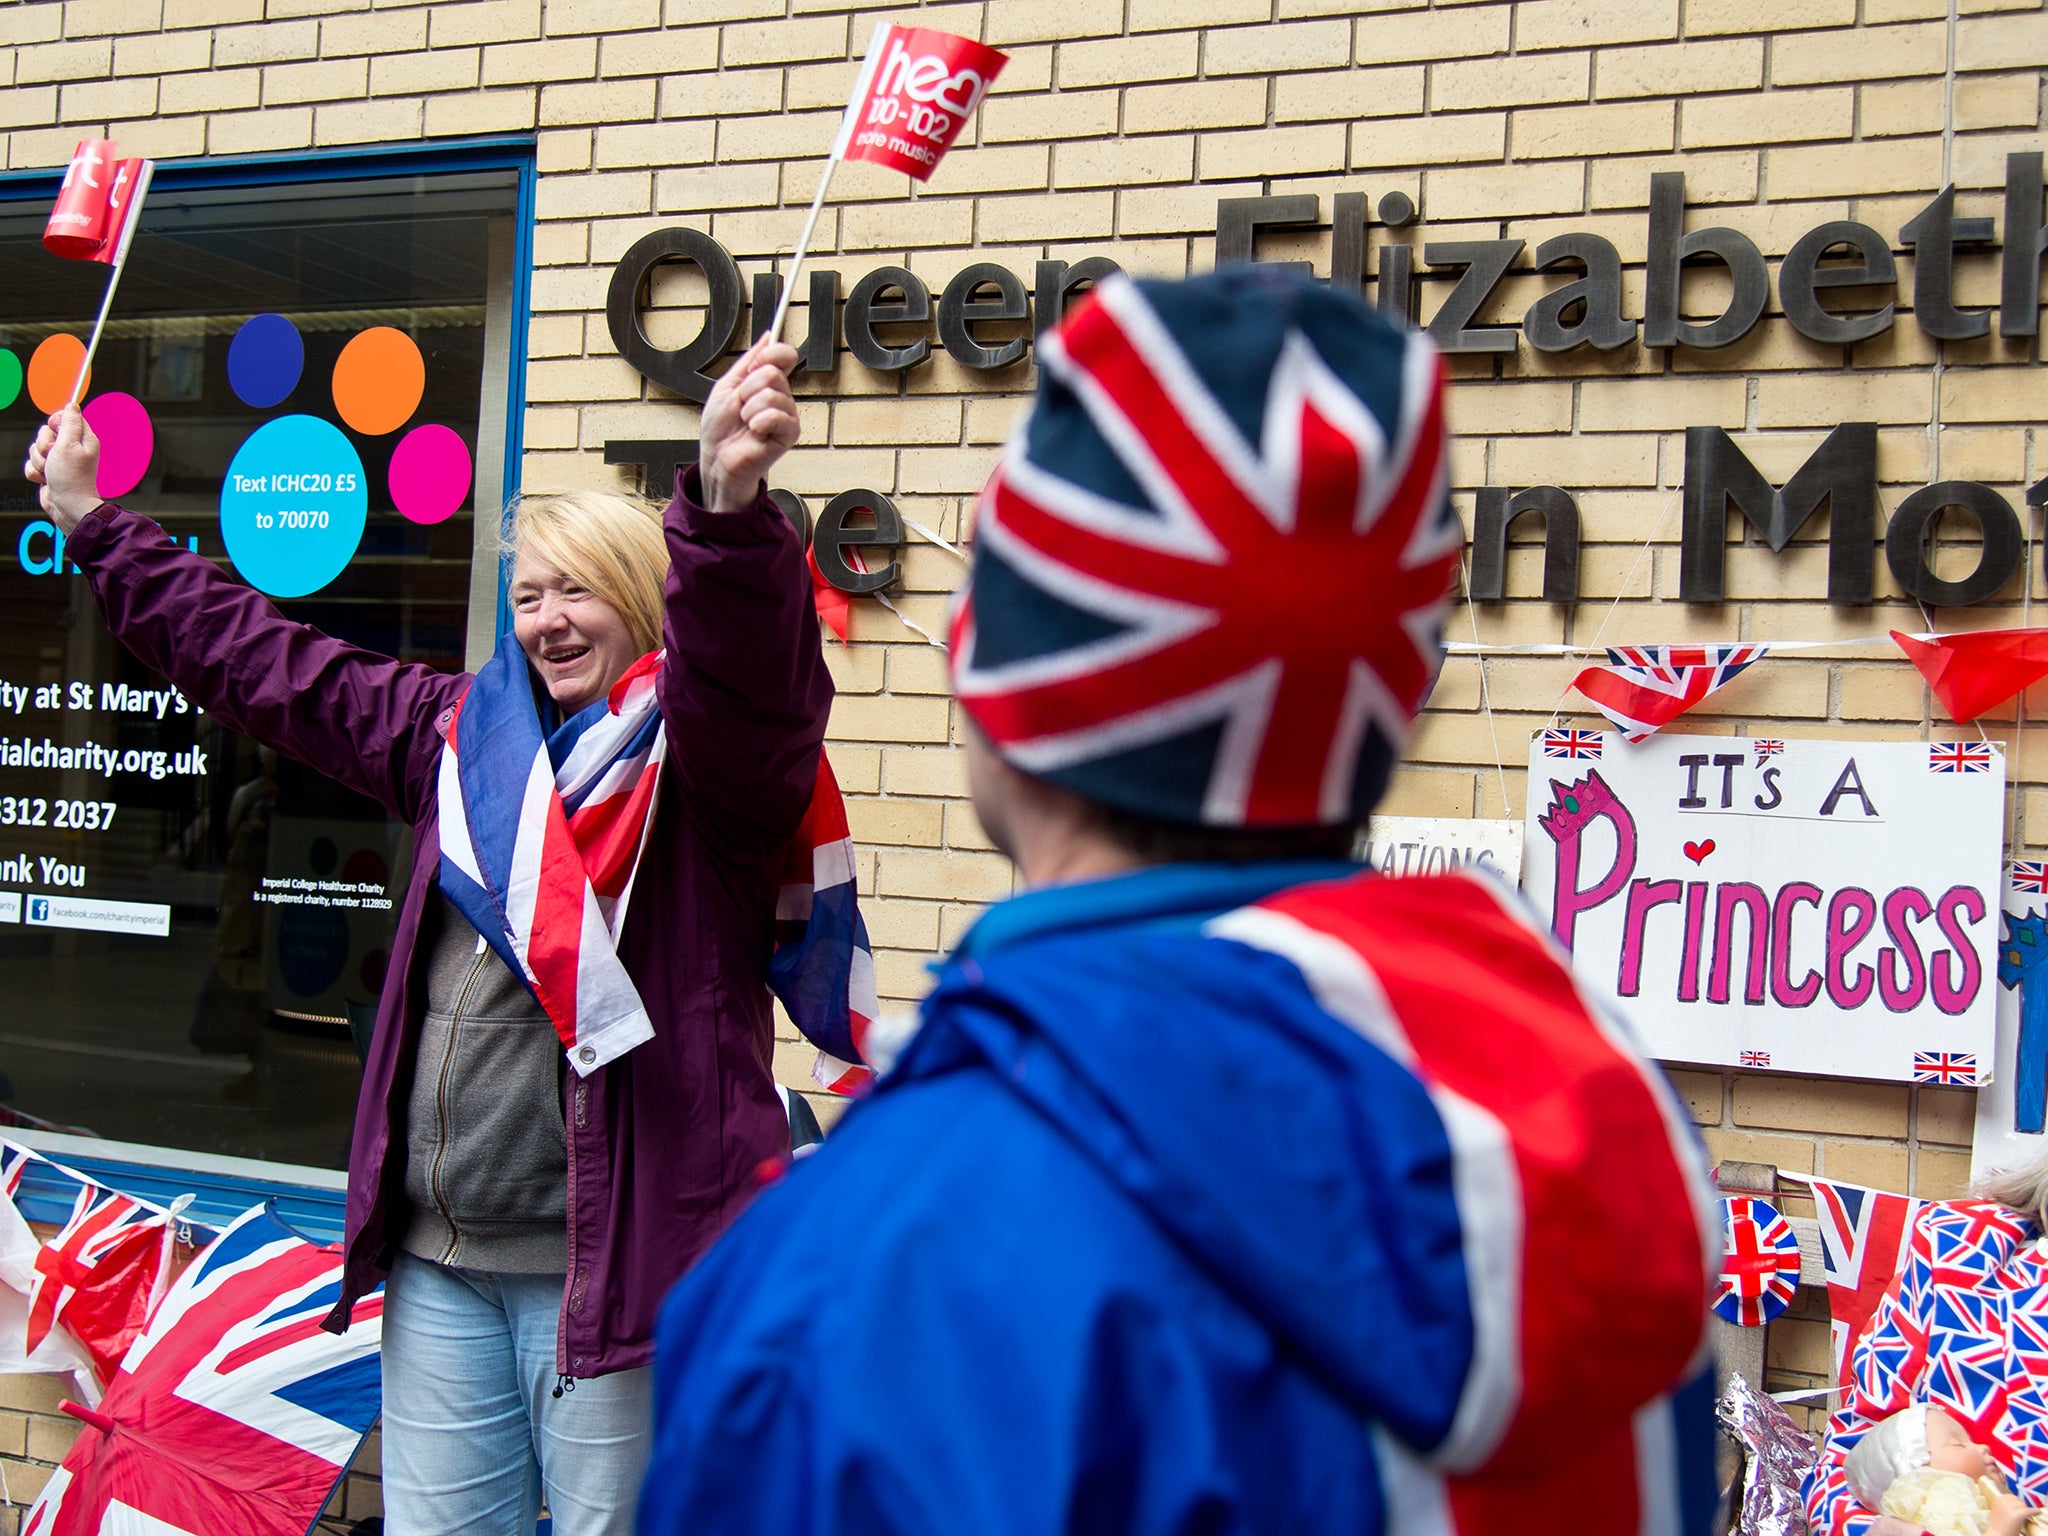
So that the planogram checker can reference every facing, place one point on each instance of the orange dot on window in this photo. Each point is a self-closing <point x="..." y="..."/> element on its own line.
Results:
<point x="378" y="380"/>
<point x="53" y="370"/>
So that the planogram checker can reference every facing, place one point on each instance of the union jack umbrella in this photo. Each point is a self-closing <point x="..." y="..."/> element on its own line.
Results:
<point x="234" y="1414"/>
<point x="1212" y="568"/>
<point x="1958" y="757"/>
<point x="1645" y="687"/>
<point x="2030" y="875"/>
<point x="1573" y="743"/>
<point x="1944" y="1067"/>
<point x="1759" y="1262"/>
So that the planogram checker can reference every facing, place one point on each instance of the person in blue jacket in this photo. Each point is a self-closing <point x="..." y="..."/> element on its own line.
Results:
<point x="1226" y="1186"/>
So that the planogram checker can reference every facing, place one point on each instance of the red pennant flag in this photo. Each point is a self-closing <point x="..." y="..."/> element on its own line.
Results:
<point x="834" y="606"/>
<point x="95" y="204"/>
<point x="99" y="1277"/>
<point x="1973" y="672"/>
<point x="916" y="91"/>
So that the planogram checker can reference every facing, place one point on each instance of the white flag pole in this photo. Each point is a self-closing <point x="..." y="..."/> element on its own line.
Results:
<point x="847" y="124"/>
<point x="128" y="224"/>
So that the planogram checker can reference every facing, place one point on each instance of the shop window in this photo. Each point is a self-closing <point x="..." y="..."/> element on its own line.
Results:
<point x="188" y="922"/>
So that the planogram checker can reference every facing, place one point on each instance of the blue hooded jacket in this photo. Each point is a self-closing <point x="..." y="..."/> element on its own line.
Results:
<point x="1137" y="1237"/>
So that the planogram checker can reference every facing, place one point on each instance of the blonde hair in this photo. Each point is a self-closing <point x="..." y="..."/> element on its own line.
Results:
<point x="612" y="545"/>
<point x="2022" y="1188"/>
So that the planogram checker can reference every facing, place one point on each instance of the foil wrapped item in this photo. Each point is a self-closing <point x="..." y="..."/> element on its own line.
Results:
<point x="1777" y="1454"/>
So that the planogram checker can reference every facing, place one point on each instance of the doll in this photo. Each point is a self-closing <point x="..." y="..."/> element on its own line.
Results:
<point x="1921" y="1466"/>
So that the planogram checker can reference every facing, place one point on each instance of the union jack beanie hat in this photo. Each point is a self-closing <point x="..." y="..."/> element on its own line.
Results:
<point x="1212" y="568"/>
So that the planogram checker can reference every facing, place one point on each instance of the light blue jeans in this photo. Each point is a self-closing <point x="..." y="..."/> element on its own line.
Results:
<point x="474" y="1436"/>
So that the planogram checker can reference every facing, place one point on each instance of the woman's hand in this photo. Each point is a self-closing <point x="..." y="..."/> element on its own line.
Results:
<point x="749" y="423"/>
<point x="2008" y="1516"/>
<point x="65" y="461"/>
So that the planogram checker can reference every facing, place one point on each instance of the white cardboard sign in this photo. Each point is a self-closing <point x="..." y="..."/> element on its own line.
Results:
<point x="1820" y="907"/>
<point x="1434" y="845"/>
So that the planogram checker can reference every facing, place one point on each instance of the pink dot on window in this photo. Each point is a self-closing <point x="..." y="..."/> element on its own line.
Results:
<point x="430" y="472"/>
<point x="127" y="442"/>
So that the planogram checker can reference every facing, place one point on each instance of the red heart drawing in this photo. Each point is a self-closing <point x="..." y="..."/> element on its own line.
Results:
<point x="1698" y="852"/>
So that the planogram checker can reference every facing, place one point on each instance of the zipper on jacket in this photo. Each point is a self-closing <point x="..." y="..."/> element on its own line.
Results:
<point x="441" y="1100"/>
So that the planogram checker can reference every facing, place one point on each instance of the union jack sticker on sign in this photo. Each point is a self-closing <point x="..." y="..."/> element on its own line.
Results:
<point x="1759" y="1263"/>
<point x="1769" y="747"/>
<point x="1958" y="757"/>
<point x="2030" y="875"/>
<point x="1944" y="1067"/>
<point x="1756" y="1058"/>
<point x="1572" y="744"/>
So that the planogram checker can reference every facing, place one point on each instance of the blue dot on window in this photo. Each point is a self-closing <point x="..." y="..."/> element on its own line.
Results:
<point x="265" y="360"/>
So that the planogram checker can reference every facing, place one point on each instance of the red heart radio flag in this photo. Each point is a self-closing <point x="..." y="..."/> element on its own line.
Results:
<point x="96" y="204"/>
<point x="916" y="91"/>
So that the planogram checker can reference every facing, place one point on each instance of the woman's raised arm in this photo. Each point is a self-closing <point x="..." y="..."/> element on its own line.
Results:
<point x="359" y="717"/>
<point x="744" y="689"/>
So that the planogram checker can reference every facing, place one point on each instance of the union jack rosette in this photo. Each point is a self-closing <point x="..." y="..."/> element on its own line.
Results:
<point x="1759" y="1262"/>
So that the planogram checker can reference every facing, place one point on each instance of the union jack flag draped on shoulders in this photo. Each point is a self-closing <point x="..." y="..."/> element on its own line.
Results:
<point x="1643" y="688"/>
<point x="235" y="1414"/>
<point x="542" y="833"/>
<point x="1211" y="570"/>
<point x="99" y="1277"/>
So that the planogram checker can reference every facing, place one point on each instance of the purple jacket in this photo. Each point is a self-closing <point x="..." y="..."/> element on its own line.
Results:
<point x="663" y="1143"/>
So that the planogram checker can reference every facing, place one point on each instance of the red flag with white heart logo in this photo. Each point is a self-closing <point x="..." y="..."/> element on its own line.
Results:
<point x="916" y="91"/>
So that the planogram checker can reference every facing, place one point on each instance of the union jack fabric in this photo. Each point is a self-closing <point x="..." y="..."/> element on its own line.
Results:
<point x="1863" y="1235"/>
<point x="1759" y="1263"/>
<point x="100" y="1275"/>
<point x="1212" y="567"/>
<point x="235" y="1414"/>
<point x="822" y="969"/>
<point x="1374" y="957"/>
<point x="1767" y="748"/>
<point x="1643" y="688"/>
<point x="1963" y="1328"/>
<point x="2030" y="875"/>
<point x="1944" y="1067"/>
<point x="1958" y="757"/>
<point x="541" y="835"/>
<point x="1756" y="1058"/>
<point x="57" y="1352"/>
<point x="1573" y="744"/>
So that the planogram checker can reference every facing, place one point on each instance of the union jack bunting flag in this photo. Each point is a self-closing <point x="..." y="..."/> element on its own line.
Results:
<point x="100" y="1275"/>
<point x="1573" y="743"/>
<point x="1944" y="1067"/>
<point x="1959" y="757"/>
<point x="1213" y="588"/>
<point x="1759" y="1263"/>
<point x="1645" y="687"/>
<point x="2030" y="875"/>
<point x="235" y="1414"/>
<point x="1768" y="747"/>
<point x="1863" y="1236"/>
<point x="1756" y="1058"/>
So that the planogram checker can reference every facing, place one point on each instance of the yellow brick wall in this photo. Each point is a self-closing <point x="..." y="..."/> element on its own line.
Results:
<point x="1114" y="130"/>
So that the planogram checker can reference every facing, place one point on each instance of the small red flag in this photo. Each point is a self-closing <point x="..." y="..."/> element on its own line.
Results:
<point x="916" y="91"/>
<point x="1973" y="672"/>
<point x="98" y="198"/>
<point x="834" y="606"/>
